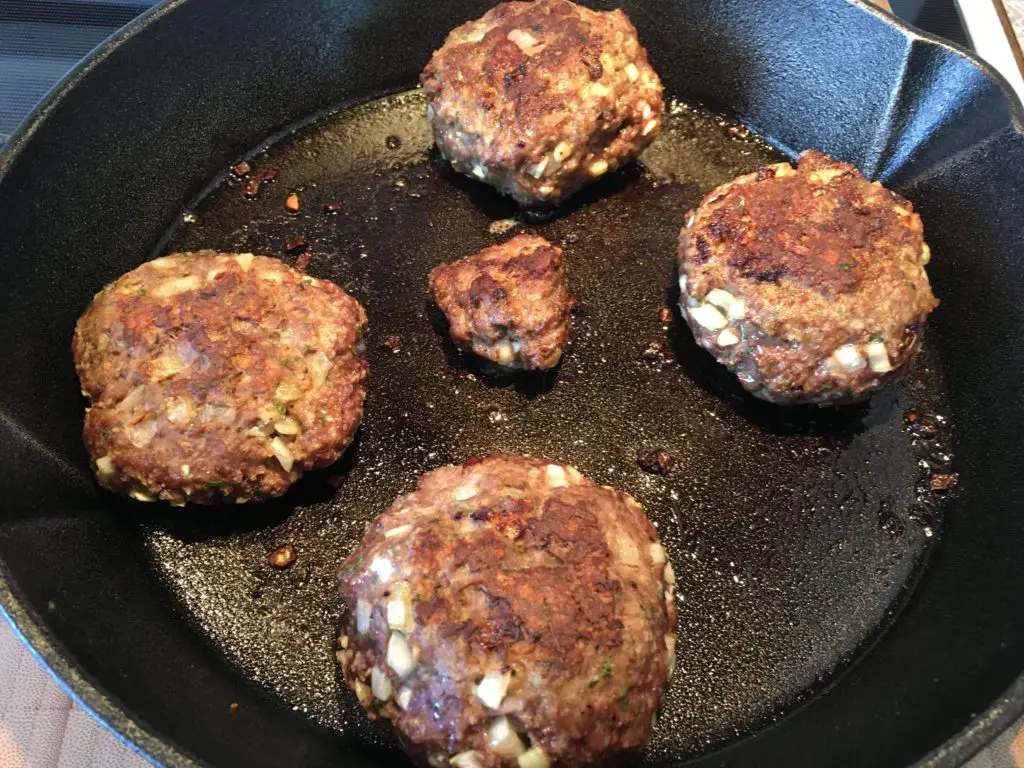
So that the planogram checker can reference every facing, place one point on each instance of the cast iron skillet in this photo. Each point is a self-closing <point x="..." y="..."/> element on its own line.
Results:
<point x="834" y="610"/>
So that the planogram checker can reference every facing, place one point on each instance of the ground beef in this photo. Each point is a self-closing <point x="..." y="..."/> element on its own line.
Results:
<point x="218" y="377"/>
<point x="808" y="283"/>
<point x="508" y="303"/>
<point x="510" y="608"/>
<point x="537" y="99"/>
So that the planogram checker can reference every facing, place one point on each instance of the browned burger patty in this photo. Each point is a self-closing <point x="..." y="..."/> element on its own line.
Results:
<point x="218" y="377"/>
<point x="809" y="284"/>
<point x="510" y="612"/>
<point x="508" y="303"/>
<point x="539" y="98"/>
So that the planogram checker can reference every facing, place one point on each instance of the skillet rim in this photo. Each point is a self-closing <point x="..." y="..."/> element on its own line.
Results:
<point x="145" y="740"/>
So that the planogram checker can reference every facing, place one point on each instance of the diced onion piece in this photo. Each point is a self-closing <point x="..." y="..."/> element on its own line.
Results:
<point x="657" y="553"/>
<point x="632" y="72"/>
<point x="479" y="171"/>
<point x="140" y="496"/>
<point x="727" y="338"/>
<point x="286" y="392"/>
<point x="491" y="690"/>
<point x="399" y="656"/>
<point x="399" y="608"/>
<point x="598" y="167"/>
<point x="178" y="411"/>
<point x="282" y="453"/>
<point x="502" y="738"/>
<point x="878" y="357"/>
<point x="380" y="684"/>
<point x="400" y="530"/>
<point x="288" y="426"/>
<point x="669" y="575"/>
<point x="562" y="151"/>
<point x="270" y="276"/>
<point x="132" y="400"/>
<point x="464" y="491"/>
<point x="467" y="759"/>
<point x="926" y="253"/>
<point x="682" y="278"/>
<point x="670" y="647"/>
<point x="383" y="568"/>
<point x="318" y="366"/>
<point x="650" y="126"/>
<point x="504" y="352"/>
<point x="105" y="466"/>
<point x="825" y="175"/>
<point x="537" y="169"/>
<point x="175" y="286"/>
<point x="534" y="757"/>
<point x="363" y="692"/>
<point x="555" y="476"/>
<point x="364" y="611"/>
<point x="737" y="311"/>
<point x="599" y="89"/>
<point x="849" y="357"/>
<point x="244" y="261"/>
<point x="165" y="366"/>
<point x="646" y="110"/>
<point x="142" y="434"/>
<point x="525" y="41"/>
<point x="721" y="299"/>
<point x="708" y="317"/>
<point x="404" y="697"/>
<point x="628" y="552"/>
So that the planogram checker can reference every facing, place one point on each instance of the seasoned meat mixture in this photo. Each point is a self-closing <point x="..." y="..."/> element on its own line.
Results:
<point x="510" y="612"/>
<point x="218" y="377"/>
<point x="537" y="99"/>
<point x="807" y="282"/>
<point x="508" y="303"/>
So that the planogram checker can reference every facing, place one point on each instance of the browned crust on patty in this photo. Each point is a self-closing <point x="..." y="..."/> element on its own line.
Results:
<point x="508" y="303"/>
<point x="821" y="260"/>
<point x="513" y="565"/>
<point x="539" y="98"/>
<point x="206" y="371"/>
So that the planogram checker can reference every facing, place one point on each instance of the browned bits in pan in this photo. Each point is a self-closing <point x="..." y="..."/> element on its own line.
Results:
<point x="919" y="427"/>
<point x="292" y="203"/>
<point x="295" y="245"/>
<point x="941" y="482"/>
<point x="738" y="131"/>
<point x="241" y="169"/>
<point x="665" y="316"/>
<point x="251" y="188"/>
<point x="302" y="262"/>
<point x="332" y="207"/>
<point x="269" y="175"/>
<point x="282" y="557"/>
<point x="393" y="342"/>
<point x="655" y="350"/>
<point x="657" y="462"/>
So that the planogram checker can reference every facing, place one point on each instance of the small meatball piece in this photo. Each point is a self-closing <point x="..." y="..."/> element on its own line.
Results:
<point x="508" y="303"/>
<point x="808" y="283"/>
<point x="218" y="377"/>
<point x="510" y="612"/>
<point x="537" y="99"/>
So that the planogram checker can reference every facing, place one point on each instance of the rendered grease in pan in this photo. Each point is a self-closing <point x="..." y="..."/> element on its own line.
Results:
<point x="791" y="531"/>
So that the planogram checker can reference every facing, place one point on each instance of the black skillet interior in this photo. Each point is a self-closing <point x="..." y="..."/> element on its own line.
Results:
<point x="798" y="535"/>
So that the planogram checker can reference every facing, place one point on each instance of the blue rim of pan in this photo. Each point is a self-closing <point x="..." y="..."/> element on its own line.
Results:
<point x="147" y="741"/>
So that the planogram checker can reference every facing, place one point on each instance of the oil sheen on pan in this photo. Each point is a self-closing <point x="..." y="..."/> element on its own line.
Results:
<point x="795" y="532"/>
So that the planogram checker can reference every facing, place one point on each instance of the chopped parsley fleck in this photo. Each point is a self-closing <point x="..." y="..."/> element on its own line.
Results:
<point x="280" y="407"/>
<point x="286" y="362"/>
<point x="606" y="669"/>
<point x="624" y="699"/>
<point x="876" y="337"/>
<point x="322" y="419"/>
<point x="106" y="434"/>
<point x="215" y="483"/>
<point x="592" y="682"/>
